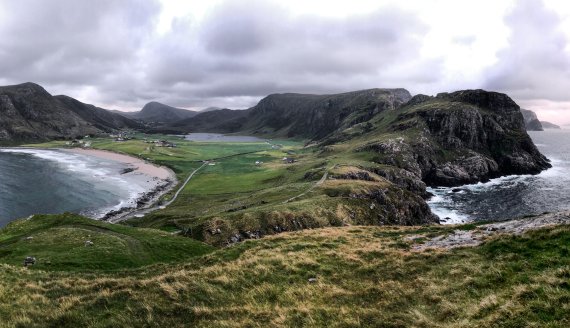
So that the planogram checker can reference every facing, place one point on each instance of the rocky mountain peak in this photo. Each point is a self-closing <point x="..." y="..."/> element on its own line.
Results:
<point x="483" y="99"/>
<point x="25" y="89"/>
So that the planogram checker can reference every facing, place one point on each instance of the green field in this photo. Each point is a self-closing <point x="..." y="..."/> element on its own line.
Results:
<point x="365" y="277"/>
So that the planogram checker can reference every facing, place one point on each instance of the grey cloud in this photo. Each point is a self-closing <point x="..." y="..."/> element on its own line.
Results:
<point x="246" y="49"/>
<point x="71" y="42"/>
<point x="235" y="29"/>
<point x="536" y="63"/>
<point x="238" y="53"/>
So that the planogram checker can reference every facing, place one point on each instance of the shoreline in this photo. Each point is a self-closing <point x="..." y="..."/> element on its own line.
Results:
<point x="135" y="165"/>
<point x="140" y="165"/>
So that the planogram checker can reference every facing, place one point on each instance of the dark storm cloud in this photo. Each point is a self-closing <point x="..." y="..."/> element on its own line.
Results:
<point x="71" y="43"/>
<point x="234" y="29"/>
<point x="251" y="49"/>
<point x="536" y="63"/>
<point x="239" y="52"/>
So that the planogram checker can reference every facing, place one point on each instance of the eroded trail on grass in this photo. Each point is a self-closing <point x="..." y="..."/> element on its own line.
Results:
<point x="318" y="183"/>
<point x="476" y="236"/>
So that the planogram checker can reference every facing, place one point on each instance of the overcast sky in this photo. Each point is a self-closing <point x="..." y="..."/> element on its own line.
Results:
<point x="121" y="54"/>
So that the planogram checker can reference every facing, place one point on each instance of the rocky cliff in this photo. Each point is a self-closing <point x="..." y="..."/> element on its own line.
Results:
<point x="28" y="113"/>
<point x="458" y="138"/>
<point x="531" y="120"/>
<point x="317" y="116"/>
<point x="102" y="119"/>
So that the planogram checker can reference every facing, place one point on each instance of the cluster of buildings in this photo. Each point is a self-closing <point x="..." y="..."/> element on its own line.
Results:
<point x="161" y="143"/>
<point x="121" y="136"/>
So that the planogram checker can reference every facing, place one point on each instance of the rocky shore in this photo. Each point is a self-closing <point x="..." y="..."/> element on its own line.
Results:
<point x="146" y="200"/>
<point x="165" y="178"/>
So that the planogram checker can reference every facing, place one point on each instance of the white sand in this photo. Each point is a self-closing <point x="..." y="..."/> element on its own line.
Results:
<point x="138" y="164"/>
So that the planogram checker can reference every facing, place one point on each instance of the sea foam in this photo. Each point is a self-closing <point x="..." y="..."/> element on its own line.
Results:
<point x="104" y="174"/>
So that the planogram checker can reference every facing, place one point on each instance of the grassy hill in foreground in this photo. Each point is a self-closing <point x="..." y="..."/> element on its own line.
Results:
<point x="59" y="243"/>
<point x="365" y="277"/>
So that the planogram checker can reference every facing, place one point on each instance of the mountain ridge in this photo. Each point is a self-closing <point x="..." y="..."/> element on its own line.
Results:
<point x="156" y="112"/>
<point x="299" y="115"/>
<point x="29" y="112"/>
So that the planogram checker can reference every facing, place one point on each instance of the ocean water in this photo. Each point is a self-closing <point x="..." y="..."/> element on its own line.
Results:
<point x="36" y="181"/>
<point x="512" y="196"/>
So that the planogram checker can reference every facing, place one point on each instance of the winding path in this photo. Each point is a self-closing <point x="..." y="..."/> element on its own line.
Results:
<point x="320" y="182"/>
<point x="144" y="211"/>
<point x="184" y="184"/>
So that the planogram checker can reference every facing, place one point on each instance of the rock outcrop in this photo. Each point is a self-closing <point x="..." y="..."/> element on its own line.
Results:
<point x="461" y="137"/>
<point x="531" y="121"/>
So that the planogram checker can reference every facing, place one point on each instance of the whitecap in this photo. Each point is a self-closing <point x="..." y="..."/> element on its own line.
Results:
<point x="104" y="174"/>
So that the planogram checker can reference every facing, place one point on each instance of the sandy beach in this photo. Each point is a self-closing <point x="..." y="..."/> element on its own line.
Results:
<point x="138" y="164"/>
<point x="163" y="180"/>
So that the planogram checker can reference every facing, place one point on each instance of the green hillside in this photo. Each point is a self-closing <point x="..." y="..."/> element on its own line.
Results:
<point x="333" y="277"/>
<point x="61" y="242"/>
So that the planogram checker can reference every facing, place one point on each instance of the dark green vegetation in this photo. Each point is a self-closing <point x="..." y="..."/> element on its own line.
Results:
<point x="365" y="277"/>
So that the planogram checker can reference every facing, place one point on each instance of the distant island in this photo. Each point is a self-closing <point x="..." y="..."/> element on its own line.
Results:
<point x="548" y="125"/>
<point x="533" y="124"/>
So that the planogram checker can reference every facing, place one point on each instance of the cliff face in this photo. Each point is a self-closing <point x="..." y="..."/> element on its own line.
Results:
<point x="531" y="121"/>
<point x="102" y="119"/>
<point x="299" y="115"/>
<point x="317" y="116"/>
<point x="28" y="112"/>
<point x="462" y="137"/>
